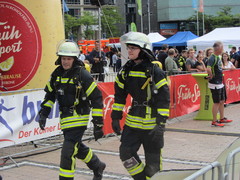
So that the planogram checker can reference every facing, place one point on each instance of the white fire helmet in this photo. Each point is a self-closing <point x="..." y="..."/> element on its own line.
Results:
<point x="139" y="39"/>
<point x="68" y="48"/>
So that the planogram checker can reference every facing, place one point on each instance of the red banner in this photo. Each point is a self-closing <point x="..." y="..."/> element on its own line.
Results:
<point x="184" y="95"/>
<point x="108" y="100"/>
<point x="232" y="84"/>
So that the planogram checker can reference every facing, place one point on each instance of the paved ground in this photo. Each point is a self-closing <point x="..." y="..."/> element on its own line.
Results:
<point x="196" y="145"/>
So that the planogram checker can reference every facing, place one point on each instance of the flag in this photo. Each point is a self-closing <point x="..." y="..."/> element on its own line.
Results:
<point x="201" y="6"/>
<point x="133" y="27"/>
<point x="139" y="3"/>
<point x="194" y="4"/>
<point x="65" y="8"/>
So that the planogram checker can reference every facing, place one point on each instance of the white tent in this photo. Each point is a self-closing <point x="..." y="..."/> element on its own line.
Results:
<point x="229" y="36"/>
<point x="155" y="37"/>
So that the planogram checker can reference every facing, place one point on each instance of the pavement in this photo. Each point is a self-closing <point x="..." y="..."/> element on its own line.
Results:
<point x="189" y="144"/>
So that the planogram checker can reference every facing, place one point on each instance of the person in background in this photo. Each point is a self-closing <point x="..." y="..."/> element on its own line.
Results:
<point x="238" y="51"/>
<point x="235" y="58"/>
<point x="191" y="60"/>
<point x="163" y="55"/>
<point x="114" y="60"/>
<point x="215" y="83"/>
<point x="226" y="63"/>
<point x="208" y="53"/>
<point x="97" y="61"/>
<point x="200" y="64"/>
<point x="77" y="94"/>
<point x="182" y="60"/>
<point x="170" y="64"/>
<point x="82" y="57"/>
<point x="119" y="62"/>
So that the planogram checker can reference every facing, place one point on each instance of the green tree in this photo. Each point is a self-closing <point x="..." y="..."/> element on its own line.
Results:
<point x="70" y="22"/>
<point x="88" y="20"/>
<point x="110" y="19"/>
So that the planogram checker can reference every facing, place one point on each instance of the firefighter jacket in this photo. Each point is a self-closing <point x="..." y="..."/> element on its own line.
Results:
<point x="75" y="91"/>
<point x="148" y="87"/>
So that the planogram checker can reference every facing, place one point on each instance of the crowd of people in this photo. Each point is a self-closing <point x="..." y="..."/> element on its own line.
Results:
<point x="189" y="61"/>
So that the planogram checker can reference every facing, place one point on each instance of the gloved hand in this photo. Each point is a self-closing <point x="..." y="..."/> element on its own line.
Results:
<point x="97" y="128"/>
<point x="42" y="121"/>
<point x="116" y="126"/>
<point x="156" y="134"/>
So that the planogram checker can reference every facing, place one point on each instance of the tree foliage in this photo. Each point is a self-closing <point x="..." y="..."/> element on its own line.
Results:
<point x="111" y="16"/>
<point x="224" y="18"/>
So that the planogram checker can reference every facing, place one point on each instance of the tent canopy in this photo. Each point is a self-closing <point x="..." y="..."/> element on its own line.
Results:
<point x="229" y="36"/>
<point x="179" y="39"/>
<point x="155" y="37"/>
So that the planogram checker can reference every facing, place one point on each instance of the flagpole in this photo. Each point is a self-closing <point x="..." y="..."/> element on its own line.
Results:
<point x="149" y="23"/>
<point x="63" y="19"/>
<point x="197" y="25"/>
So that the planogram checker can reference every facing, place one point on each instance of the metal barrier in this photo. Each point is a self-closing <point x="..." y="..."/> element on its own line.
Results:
<point x="231" y="158"/>
<point x="202" y="172"/>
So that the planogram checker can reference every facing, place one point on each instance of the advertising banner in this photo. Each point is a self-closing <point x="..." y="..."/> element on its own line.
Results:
<point x="19" y="119"/>
<point x="232" y="84"/>
<point x="184" y="95"/>
<point x="108" y="100"/>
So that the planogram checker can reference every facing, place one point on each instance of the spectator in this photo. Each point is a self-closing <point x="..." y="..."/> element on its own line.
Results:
<point x="119" y="62"/>
<point x="97" y="59"/>
<point x="208" y="53"/>
<point x="191" y="60"/>
<point x="226" y="63"/>
<point x="114" y="60"/>
<point x="163" y="55"/>
<point x="170" y="64"/>
<point x="239" y="51"/>
<point x="200" y="64"/>
<point x="235" y="57"/>
<point x="82" y="56"/>
<point x="182" y="60"/>
<point x="215" y="75"/>
<point x="156" y="53"/>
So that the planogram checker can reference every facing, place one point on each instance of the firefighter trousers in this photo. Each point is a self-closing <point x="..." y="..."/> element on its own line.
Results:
<point x="74" y="148"/>
<point x="131" y="141"/>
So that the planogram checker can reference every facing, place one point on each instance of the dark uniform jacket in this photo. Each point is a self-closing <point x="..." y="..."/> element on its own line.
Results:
<point x="148" y="102"/>
<point x="74" y="90"/>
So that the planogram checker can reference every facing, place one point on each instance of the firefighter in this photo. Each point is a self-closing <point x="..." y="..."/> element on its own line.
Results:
<point x="73" y="87"/>
<point x="145" y="121"/>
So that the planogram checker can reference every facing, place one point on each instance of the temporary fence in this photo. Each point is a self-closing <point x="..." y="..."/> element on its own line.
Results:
<point x="215" y="170"/>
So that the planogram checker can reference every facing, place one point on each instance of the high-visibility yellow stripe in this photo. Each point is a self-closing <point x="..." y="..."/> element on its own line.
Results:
<point x="64" y="80"/>
<point x="97" y="112"/>
<point x="49" y="87"/>
<point x="121" y="85"/>
<point x="91" y="88"/>
<point x="137" y="74"/>
<point x="66" y="173"/>
<point x="74" y="121"/>
<point x="49" y="104"/>
<point x="136" y="170"/>
<point x="140" y="123"/>
<point x="118" y="107"/>
<point x="88" y="157"/>
<point x="73" y="156"/>
<point x="161" y="83"/>
<point x="163" y="112"/>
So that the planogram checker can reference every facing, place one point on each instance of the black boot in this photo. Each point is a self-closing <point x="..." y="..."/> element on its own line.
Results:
<point x="99" y="171"/>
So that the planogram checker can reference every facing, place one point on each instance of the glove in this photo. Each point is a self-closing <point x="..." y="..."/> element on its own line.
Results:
<point x="156" y="134"/>
<point x="97" y="128"/>
<point x="42" y="121"/>
<point x="116" y="126"/>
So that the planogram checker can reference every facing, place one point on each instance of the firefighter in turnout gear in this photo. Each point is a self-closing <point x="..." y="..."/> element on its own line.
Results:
<point x="145" y="121"/>
<point x="74" y="89"/>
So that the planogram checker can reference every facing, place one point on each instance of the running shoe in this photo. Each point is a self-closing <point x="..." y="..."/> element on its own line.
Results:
<point x="225" y="120"/>
<point x="217" y="123"/>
